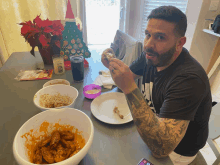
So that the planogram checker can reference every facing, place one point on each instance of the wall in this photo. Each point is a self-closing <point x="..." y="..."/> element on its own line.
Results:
<point x="192" y="13"/>
<point x="203" y="44"/>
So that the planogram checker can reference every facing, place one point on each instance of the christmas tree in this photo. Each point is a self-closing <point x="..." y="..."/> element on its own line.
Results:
<point x="72" y="40"/>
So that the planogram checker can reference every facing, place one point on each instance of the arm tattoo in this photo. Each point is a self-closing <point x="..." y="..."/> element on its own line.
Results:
<point x="161" y="135"/>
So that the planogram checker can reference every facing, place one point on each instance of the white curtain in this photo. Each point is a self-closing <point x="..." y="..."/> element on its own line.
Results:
<point x="81" y="13"/>
<point x="131" y="17"/>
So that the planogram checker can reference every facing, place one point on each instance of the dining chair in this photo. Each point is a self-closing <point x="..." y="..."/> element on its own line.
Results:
<point x="127" y="49"/>
<point x="214" y="132"/>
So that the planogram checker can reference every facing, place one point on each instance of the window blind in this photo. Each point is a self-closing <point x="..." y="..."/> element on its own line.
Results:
<point x="149" y="5"/>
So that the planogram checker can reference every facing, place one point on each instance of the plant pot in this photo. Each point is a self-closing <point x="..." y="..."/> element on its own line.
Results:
<point x="46" y="54"/>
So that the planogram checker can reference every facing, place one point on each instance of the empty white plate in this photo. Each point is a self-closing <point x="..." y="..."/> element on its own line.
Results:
<point x="102" y="108"/>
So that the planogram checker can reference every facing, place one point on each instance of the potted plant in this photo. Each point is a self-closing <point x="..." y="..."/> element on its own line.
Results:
<point x="44" y="34"/>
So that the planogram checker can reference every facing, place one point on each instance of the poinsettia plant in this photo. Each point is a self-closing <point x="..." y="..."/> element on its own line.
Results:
<point x="40" y="32"/>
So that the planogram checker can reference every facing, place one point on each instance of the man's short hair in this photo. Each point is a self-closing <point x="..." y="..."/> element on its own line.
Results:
<point x="173" y="15"/>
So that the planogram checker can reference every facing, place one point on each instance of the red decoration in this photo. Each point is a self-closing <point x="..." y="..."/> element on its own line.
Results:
<point x="69" y="12"/>
<point x="67" y="65"/>
<point x="86" y="63"/>
<point x="39" y="32"/>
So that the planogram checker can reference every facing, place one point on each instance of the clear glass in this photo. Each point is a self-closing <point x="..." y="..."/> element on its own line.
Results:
<point x="58" y="64"/>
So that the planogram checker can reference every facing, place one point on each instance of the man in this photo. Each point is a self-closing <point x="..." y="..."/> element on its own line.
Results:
<point x="172" y="112"/>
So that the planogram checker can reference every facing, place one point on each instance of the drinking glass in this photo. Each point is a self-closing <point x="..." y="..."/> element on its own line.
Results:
<point x="77" y="65"/>
<point x="58" y="64"/>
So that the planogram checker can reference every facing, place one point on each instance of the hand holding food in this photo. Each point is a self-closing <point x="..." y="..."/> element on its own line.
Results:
<point x="106" y="55"/>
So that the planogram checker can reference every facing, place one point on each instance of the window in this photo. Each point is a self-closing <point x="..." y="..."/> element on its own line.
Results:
<point x="149" y="5"/>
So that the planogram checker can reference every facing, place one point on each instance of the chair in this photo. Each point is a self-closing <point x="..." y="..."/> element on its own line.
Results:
<point x="127" y="49"/>
<point x="214" y="131"/>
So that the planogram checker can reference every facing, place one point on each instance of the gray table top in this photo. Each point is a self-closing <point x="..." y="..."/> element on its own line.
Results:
<point x="112" y="144"/>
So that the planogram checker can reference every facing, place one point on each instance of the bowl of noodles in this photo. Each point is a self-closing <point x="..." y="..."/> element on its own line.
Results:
<point x="63" y="138"/>
<point x="55" y="96"/>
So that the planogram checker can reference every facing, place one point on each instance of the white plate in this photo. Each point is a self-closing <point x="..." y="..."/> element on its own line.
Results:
<point x="102" y="108"/>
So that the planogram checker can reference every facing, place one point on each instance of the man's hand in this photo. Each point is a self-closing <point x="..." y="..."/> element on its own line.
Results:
<point x="122" y="75"/>
<point x="104" y="60"/>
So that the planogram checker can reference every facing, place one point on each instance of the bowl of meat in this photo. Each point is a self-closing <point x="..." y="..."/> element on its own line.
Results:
<point x="63" y="138"/>
<point x="55" y="96"/>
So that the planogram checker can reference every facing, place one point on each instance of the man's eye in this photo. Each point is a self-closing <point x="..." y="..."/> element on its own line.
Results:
<point x="147" y="35"/>
<point x="160" y="37"/>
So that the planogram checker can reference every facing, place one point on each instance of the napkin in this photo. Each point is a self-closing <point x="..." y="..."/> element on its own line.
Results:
<point x="104" y="79"/>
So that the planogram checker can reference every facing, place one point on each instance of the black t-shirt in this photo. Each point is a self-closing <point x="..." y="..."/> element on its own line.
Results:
<point x="181" y="91"/>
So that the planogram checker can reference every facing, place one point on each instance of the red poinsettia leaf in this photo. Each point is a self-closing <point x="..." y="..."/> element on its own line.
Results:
<point x="32" y="33"/>
<point x="36" y="30"/>
<point x="43" y="40"/>
<point x="57" y="25"/>
<point x="29" y="23"/>
<point x="23" y="23"/>
<point x="57" y="33"/>
<point x="25" y="29"/>
<point x="46" y="23"/>
<point x="48" y="30"/>
<point x="38" y="21"/>
<point x="26" y="23"/>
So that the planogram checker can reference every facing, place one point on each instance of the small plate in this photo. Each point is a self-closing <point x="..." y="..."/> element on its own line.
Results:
<point x="102" y="108"/>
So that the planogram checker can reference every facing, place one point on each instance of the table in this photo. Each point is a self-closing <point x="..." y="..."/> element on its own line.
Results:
<point x="112" y="144"/>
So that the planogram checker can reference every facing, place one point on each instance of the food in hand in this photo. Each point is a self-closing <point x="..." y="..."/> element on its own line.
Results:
<point x="53" y="101"/>
<point x="109" y="55"/>
<point x="117" y="111"/>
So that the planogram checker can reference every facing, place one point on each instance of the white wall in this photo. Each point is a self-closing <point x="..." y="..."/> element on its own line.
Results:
<point x="192" y="14"/>
<point x="202" y="43"/>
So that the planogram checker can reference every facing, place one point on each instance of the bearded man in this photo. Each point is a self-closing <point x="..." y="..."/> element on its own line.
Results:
<point x="172" y="110"/>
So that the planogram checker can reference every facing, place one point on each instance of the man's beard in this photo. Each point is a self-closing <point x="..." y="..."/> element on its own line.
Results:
<point x="163" y="59"/>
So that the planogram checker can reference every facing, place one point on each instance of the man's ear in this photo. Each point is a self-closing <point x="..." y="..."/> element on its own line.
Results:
<point x="179" y="45"/>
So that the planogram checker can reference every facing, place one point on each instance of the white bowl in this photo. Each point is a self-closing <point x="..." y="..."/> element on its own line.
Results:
<point x="56" y="81"/>
<point x="70" y="116"/>
<point x="54" y="89"/>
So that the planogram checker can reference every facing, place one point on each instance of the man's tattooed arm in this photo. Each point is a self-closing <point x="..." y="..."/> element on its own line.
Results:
<point x="162" y="135"/>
